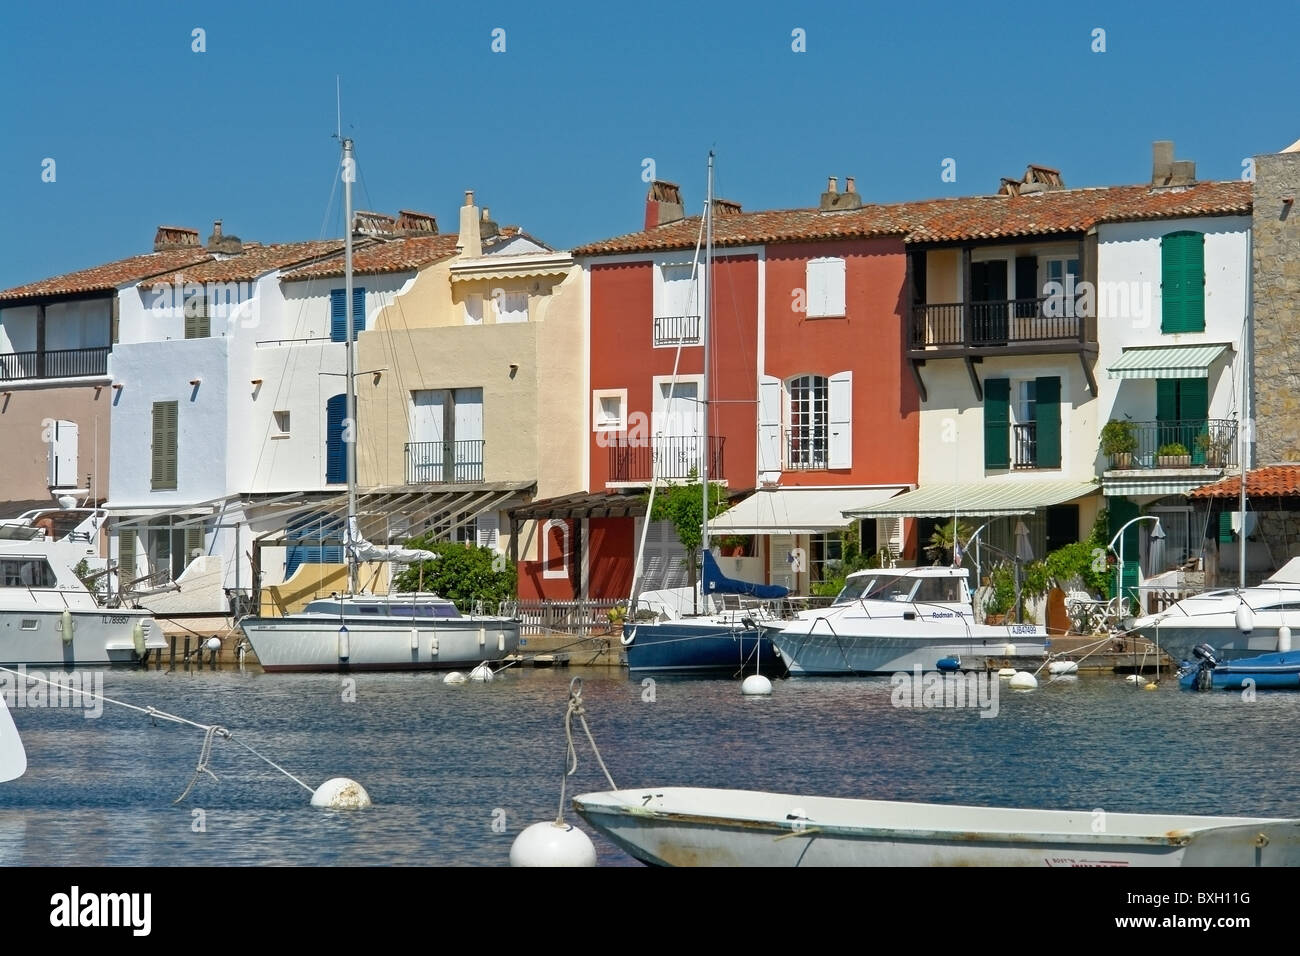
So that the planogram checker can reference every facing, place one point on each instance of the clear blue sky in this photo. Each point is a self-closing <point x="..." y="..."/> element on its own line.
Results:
<point x="552" y="132"/>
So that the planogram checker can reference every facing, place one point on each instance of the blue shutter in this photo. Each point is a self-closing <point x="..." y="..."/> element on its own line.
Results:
<point x="336" y="458"/>
<point x="358" y="310"/>
<point x="339" y="317"/>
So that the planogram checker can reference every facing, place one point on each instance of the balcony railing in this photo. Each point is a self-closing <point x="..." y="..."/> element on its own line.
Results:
<point x="444" y="461"/>
<point x="1205" y="443"/>
<point x="669" y="457"/>
<point x="677" y="330"/>
<point x="807" y="452"/>
<point x="951" y="325"/>
<point x="1024" y="441"/>
<point x="59" y="363"/>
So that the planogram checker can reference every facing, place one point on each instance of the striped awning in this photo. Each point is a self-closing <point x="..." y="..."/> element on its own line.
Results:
<point x="1003" y="496"/>
<point x="1136" y="487"/>
<point x="1167" y="361"/>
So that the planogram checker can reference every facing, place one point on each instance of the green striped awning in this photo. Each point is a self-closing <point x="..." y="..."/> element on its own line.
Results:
<point x="1167" y="361"/>
<point x="1133" y="487"/>
<point x="1004" y="496"/>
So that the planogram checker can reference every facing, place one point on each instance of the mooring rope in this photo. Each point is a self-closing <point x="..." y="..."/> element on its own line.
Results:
<point x="576" y="709"/>
<point x="210" y="731"/>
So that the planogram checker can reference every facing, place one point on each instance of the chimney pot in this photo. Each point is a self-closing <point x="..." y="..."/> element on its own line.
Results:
<point x="216" y="228"/>
<point x="848" y="184"/>
<point x="831" y="184"/>
<point x="1162" y="162"/>
<point x="486" y="214"/>
<point x="469" y="197"/>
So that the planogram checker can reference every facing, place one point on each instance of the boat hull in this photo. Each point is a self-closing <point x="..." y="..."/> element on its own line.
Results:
<point x="700" y="648"/>
<point x="1266" y="672"/>
<point x="685" y="826"/>
<point x="101" y="637"/>
<point x="828" y="654"/>
<point x="284" y="644"/>
<point x="1177" y="640"/>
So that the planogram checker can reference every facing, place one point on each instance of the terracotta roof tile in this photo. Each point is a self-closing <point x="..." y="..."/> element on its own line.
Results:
<point x="377" y="257"/>
<point x="256" y="260"/>
<point x="1271" y="481"/>
<point x="107" y="277"/>
<point x="1061" y="211"/>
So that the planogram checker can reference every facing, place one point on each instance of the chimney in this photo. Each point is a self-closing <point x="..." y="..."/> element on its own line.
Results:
<point x="725" y="207"/>
<point x="663" y="204"/>
<point x="1162" y="162"/>
<point x="226" y="245"/>
<point x="416" y="223"/>
<point x="470" y="241"/>
<point x="373" y="223"/>
<point x="487" y="228"/>
<point x="835" y="201"/>
<point x="175" y="237"/>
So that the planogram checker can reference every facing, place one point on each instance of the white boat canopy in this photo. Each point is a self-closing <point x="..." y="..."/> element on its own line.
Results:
<point x="798" y="510"/>
<point x="1010" y="496"/>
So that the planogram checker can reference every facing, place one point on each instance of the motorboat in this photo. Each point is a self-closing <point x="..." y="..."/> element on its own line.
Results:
<point x="887" y="620"/>
<point x="1276" y="671"/>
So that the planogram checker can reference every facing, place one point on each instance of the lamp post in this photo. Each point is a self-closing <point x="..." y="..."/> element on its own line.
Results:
<point x="1157" y="534"/>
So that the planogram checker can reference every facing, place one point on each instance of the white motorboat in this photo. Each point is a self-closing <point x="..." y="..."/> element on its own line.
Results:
<point x="1236" y="622"/>
<point x="48" y="617"/>
<point x="357" y="631"/>
<point x="894" y="619"/>
<point x="691" y="826"/>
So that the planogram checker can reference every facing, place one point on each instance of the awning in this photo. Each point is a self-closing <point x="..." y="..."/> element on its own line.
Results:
<point x="798" y="510"/>
<point x="1145" y="487"/>
<point x="999" y="496"/>
<point x="1167" y="361"/>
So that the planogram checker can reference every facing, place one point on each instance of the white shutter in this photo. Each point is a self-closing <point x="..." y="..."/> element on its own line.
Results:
<point x="665" y="558"/>
<point x="840" y="450"/>
<point x="487" y="530"/>
<point x="889" y="534"/>
<point x="62" y="452"/>
<point x="769" y="425"/>
<point x="825" y="280"/>
<point x="676" y="292"/>
<point x="780" y="567"/>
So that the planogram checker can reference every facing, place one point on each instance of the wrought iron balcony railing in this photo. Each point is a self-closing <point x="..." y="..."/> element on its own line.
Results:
<point x="444" y="461"/>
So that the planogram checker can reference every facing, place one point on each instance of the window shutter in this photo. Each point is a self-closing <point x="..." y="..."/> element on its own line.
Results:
<point x="338" y="319"/>
<point x="1182" y="285"/>
<point x="1026" y="286"/>
<point x="487" y="529"/>
<point x="1193" y="399"/>
<point x="358" y="310"/>
<point x="1047" y="421"/>
<point x="1225" y="527"/>
<point x="198" y="323"/>
<point x="840" y="443"/>
<point x="336" y="459"/>
<point x="825" y="281"/>
<point x="997" y="423"/>
<point x="163" y="451"/>
<point x="193" y="543"/>
<point x="769" y="424"/>
<point x="126" y="555"/>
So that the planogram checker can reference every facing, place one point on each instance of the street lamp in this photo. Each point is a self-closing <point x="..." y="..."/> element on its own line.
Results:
<point x="1157" y="534"/>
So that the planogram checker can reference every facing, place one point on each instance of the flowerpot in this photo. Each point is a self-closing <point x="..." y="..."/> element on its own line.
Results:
<point x="995" y="619"/>
<point x="1173" y="461"/>
<point x="1122" y="459"/>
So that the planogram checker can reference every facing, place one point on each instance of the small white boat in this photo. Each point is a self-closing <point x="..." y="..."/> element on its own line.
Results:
<point x="691" y="826"/>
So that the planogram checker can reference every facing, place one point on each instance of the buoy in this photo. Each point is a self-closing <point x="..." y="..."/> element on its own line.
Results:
<point x="552" y="844"/>
<point x="481" y="673"/>
<point x="1024" y="681"/>
<point x="214" y="643"/>
<point x="1283" y="639"/>
<point x="455" y="677"/>
<point x="340" y="793"/>
<point x="1063" y="667"/>
<point x="137" y="636"/>
<point x="1009" y="651"/>
<point x="65" y="625"/>
<point x="1007" y="672"/>
<point x="756" y="685"/>
<point x="1135" y="678"/>
<point x="1151" y="686"/>
<point x="1245" y="618"/>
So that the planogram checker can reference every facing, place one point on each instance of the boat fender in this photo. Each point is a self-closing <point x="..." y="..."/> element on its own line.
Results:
<point x="65" y="625"/>
<point x="628" y="636"/>
<point x="433" y="646"/>
<point x="1283" y="639"/>
<point x="949" y="664"/>
<point x="137" y="637"/>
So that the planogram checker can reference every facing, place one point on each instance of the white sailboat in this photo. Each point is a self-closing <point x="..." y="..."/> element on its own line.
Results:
<point x="13" y="758"/>
<point x="356" y="631"/>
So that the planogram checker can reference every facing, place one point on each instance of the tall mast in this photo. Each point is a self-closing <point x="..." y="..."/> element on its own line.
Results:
<point x="705" y="317"/>
<point x="350" y="419"/>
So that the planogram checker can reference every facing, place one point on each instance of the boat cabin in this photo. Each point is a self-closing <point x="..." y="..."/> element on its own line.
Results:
<point x="381" y="606"/>
<point x="924" y="585"/>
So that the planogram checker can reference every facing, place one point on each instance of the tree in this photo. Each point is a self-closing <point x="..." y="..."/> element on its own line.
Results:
<point x="463" y="573"/>
<point x="683" y="506"/>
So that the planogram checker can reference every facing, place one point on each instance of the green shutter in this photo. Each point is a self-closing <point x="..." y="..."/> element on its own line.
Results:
<point x="1225" y="527"/>
<point x="125" y="555"/>
<point x="164" y="446"/>
<point x="1182" y="282"/>
<point x="193" y="543"/>
<point x="1047" y="421"/>
<point x="198" y="323"/>
<point x="1193" y="410"/>
<point x="997" y="423"/>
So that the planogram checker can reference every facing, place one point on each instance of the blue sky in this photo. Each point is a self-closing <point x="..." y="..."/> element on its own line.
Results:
<point x="553" y="132"/>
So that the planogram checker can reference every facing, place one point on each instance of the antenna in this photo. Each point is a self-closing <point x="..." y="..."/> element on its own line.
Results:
<point x="338" y="106"/>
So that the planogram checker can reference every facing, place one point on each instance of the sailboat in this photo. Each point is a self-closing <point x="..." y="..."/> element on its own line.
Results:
<point x="356" y="631"/>
<point x="725" y="641"/>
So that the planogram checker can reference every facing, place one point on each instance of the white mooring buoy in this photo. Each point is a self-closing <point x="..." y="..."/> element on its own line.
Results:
<point x="481" y="673"/>
<point x="455" y="677"/>
<point x="1007" y="672"/>
<point x="1135" y="679"/>
<point x="552" y="844"/>
<point x="756" y="685"/>
<point x="340" y="793"/>
<point x="214" y="644"/>
<point x="1063" y="667"/>
<point x="1023" y="680"/>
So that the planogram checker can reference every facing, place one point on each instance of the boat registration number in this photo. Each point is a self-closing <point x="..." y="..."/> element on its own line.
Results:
<point x="1022" y="629"/>
<point x="113" y="619"/>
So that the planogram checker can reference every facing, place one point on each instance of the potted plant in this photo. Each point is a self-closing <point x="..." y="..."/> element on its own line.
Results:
<point x="1173" y="455"/>
<point x="1214" y="447"/>
<point x="1119" y="441"/>
<point x="1002" y="594"/>
<point x="617" y="615"/>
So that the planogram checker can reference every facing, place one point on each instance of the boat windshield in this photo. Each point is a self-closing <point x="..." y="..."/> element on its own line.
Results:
<point x="877" y="587"/>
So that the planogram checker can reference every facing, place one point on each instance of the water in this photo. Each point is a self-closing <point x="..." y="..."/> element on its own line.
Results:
<point x="442" y="762"/>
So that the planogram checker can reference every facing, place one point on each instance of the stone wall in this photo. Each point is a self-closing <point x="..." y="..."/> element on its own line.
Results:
<point x="1276" y="300"/>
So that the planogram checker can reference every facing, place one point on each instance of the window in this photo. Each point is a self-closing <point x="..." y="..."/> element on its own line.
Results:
<point x="555" y="549"/>
<point x="313" y="538"/>
<point x="677" y="306"/>
<point x="609" y="410"/>
<point x="163" y="450"/>
<point x="1022" y="427"/>
<point x="809" y="419"/>
<point x="825" y="555"/>
<point x="474" y="309"/>
<point x="487" y="531"/>
<point x="27" y="573"/>
<point x="1182" y="282"/>
<point x="511" y="306"/>
<point x="446" y="435"/>
<point x="198" y="322"/>
<point x="281" y="422"/>
<point x="1182" y="406"/>
<point x="62" y="454"/>
<point x="825" y="283"/>
<point x="338" y="313"/>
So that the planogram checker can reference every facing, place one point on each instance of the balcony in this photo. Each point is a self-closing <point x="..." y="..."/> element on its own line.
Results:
<point x="806" y="452"/>
<point x="444" y="461"/>
<point x="1206" y="443"/>
<point x="60" y="363"/>
<point x="958" y="327"/>
<point x="676" y="330"/>
<point x="668" y="457"/>
<point x="1024" y="445"/>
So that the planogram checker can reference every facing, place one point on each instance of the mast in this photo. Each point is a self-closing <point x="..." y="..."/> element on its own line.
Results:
<point x="705" y="316"/>
<point x="349" y="372"/>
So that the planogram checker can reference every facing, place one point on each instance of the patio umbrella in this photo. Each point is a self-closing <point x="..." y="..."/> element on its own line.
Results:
<point x="1024" y="548"/>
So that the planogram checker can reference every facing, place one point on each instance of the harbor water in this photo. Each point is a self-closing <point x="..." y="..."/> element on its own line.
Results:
<point x="456" y="771"/>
